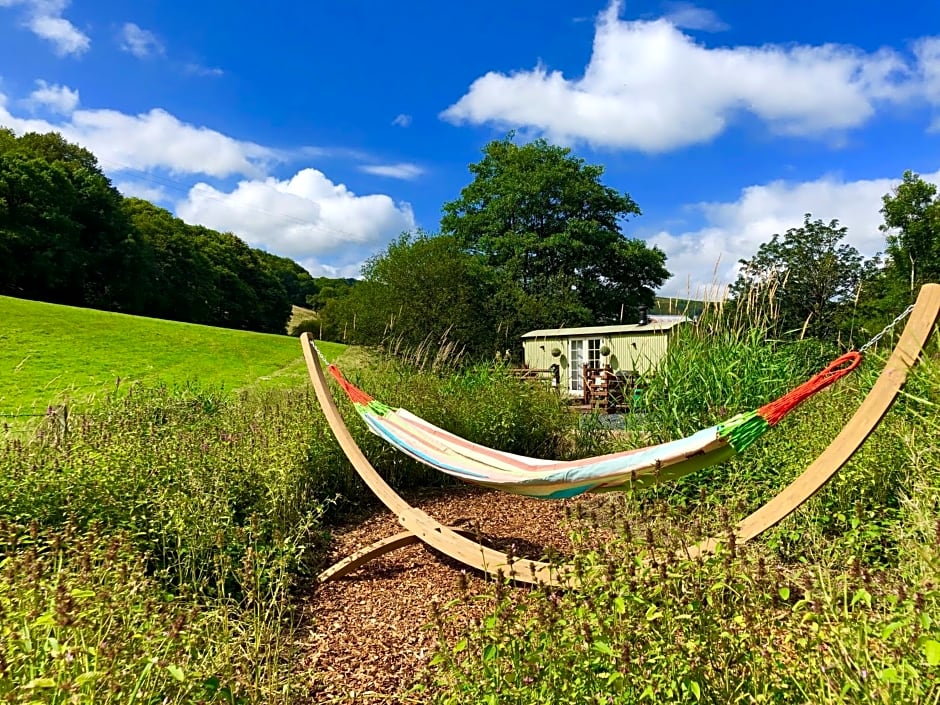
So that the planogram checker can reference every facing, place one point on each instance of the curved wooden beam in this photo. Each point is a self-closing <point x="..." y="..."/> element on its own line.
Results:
<point x="873" y="408"/>
<point x="356" y="560"/>
<point x="422" y="527"/>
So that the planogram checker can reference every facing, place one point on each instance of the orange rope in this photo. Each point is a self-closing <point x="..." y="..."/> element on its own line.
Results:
<point x="839" y="368"/>
<point x="356" y="395"/>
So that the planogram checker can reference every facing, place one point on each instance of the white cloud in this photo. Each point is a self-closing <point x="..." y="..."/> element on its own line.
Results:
<point x="44" y="19"/>
<point x="140" y="42"/>
<point x="306" y="217"/>
<point x="137" y="189"/>
<point x="706" y="259"/>
<point x="200" y="70"/>
<point x="152" y="140"/>
<point x="688" y="16"/>
<point x="650" y="87"/>
<point x="394" y="171"/>
<point x="402" y="120"/>
<point x="58" y="99"/>
<point x="319" y="269"/>
<point x="928" y="61"/>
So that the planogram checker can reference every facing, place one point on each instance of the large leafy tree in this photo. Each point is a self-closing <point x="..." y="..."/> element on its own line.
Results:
<point x="804" y="279"/>
<point x="421" y="289"/>
<point x="912" y="225"/>
<point x="551" y="232"/>
<point x="63" y="224"/>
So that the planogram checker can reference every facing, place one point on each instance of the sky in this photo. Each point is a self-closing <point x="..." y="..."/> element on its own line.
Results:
<point x="321" y="131"/>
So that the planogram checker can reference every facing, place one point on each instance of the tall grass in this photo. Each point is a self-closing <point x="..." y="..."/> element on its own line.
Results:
<point x="651" y="626"/>
<point x="212" y="501"/>
<point x="838" y="604"/>
<point x="150" y="553"/>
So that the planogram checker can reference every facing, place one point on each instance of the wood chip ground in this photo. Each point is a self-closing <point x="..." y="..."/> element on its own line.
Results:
<point x="364" y="637"/>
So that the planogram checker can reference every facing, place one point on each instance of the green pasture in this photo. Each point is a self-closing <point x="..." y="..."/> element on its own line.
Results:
<point x="50" y="354"/>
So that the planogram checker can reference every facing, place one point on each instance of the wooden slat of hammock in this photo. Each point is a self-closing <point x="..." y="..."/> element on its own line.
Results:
<point x="470" y="553"/>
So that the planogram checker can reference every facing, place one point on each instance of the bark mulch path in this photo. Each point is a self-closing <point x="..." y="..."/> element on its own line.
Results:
<point x="363" y="637"/>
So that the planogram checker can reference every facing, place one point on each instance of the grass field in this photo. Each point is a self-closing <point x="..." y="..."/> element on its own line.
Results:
<point x="50" y="354"/>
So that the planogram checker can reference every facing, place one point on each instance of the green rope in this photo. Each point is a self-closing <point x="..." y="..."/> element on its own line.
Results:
<point x="743" y="429"/>
<point x="376" y="407"/>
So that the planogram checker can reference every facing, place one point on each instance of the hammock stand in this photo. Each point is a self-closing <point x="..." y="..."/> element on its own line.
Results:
<point x="458" y="545"/>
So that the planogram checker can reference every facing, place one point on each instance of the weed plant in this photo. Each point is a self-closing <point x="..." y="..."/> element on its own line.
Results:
<point x="651" y="625"/>
<point x="149" y="547"/>
<point x="838" y="604"/>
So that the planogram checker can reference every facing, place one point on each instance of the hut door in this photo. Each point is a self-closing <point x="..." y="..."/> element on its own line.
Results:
<point x="575" y="361"/>
<point x="581" y="352"/>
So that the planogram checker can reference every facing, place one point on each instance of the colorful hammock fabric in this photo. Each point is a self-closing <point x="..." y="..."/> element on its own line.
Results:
<point x="550" y="479"/>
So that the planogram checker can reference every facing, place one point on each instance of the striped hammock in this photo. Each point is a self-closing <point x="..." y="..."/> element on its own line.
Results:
<point x="550" y="479"/>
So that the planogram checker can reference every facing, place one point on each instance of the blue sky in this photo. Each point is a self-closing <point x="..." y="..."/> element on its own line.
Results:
<point x="320" y="131"/>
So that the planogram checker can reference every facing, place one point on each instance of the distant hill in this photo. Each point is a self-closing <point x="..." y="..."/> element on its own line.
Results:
<point x="674" y="306"/>
<point x="51" y="353"/>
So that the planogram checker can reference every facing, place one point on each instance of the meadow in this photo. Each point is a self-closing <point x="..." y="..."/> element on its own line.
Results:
<point x="153" y="553"/>
<point x="51" y="354"/>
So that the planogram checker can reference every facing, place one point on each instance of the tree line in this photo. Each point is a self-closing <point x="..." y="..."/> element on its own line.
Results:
<point x="535" y="240"/>
<point x="68" y="236"/>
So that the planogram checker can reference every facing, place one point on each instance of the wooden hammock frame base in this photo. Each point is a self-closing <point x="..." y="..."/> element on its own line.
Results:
<point x="458" y="545"/>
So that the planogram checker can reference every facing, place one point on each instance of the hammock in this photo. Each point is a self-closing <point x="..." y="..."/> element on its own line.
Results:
<point x="549" y="479"/>
<point x="453" y="542"/>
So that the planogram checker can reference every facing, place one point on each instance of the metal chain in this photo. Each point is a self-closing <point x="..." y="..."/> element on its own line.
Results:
<point x="887" y="329"/>
<point x="323" y="359"/>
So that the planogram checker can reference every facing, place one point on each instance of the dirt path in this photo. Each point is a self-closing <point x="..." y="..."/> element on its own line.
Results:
<point x="363" y="636"/>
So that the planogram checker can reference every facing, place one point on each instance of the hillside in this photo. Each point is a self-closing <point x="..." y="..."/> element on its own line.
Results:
<point x="51" y="353"/>
<point x="671" y="306"/>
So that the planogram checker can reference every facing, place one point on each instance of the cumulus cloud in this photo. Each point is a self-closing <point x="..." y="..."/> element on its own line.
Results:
<point x="138" y="189"/>
<point x="140" y="42"/>
<point x="402" y="120"/>
<point x="321" y="269"/>
<point x="306" y="217"/>
<point x="705" y="261"/>
<point x="688" y="16"/>
<point x="928" y="61"/>
<point x="651" y="87"/>
<point x="44" y="19"/>
<point x="394" y="171"/>
<point x="151" y="140"/>
<point x="56" y="98"/>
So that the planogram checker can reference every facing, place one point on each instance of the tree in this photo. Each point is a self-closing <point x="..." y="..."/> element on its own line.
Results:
<point x="912" y="224"/>
<point x="327" y="289"/>
<point x="65" y="218"/>
<point x="422" y="288"/>
<point x="542" y="220"/>
<point x="203" y="276"/>
<point x="807" y="276"/>
<point x="296" y="280"/>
